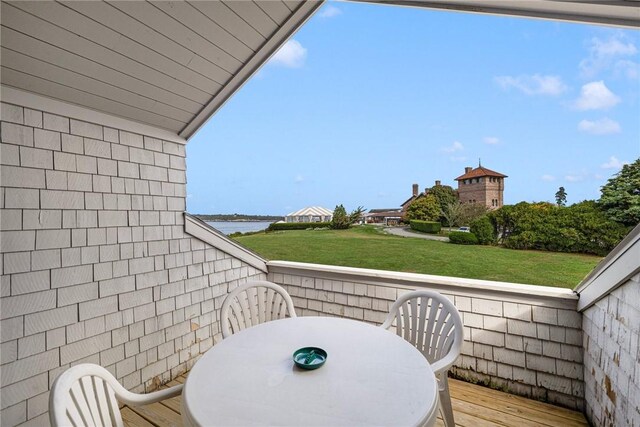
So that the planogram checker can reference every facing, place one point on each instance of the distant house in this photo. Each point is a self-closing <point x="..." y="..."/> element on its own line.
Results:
<point x="310" y="214"/>
<point x="482" y="186"/>
<point x="415" y="195"/>
<point x="389" y="216"/>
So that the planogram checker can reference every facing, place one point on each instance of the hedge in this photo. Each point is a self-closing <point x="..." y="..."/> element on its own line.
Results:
<point x="462" y="238"/>
<point x="280" y="226"/>
<point x="425" y="226"/>
<point x="581" y="227"/>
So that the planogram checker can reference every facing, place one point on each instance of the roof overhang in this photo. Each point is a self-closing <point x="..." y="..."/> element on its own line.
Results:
<point x="619" y="13"/>
<point x="166" y="65"/>
<point x="172" y="65"/>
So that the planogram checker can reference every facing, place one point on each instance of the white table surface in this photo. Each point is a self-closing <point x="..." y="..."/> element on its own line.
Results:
<point x="371" y="377"/>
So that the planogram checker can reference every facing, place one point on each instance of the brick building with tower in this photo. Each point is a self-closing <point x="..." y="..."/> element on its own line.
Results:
<point x="482" y="186"/>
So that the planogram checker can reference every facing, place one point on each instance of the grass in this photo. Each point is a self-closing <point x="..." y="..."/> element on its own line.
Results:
<point x="367" y="247"/>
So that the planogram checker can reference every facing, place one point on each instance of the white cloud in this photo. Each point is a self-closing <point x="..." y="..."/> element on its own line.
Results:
<point x="627" y="68"/>
<point x="455" y="147"/>
<point x="533" y="85"/>
<point x="458" y="158"/>
<point x="329" y="11"/>
<point x="605" y="54"/>
<point x="291" y="55"/>
<point x="613" y="163"/>
<point x="596" y="96"/>
<point x="491" y="140"/>
<point x="548" y="178"/>
<point x="604" y="126"/>
<point x="574" y="178"/>
<point x="298" y="179"/>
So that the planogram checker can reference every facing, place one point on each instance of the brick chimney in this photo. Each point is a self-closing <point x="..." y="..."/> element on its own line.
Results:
<point x="468" y="169"/>
<point x="415" y="189"/>
<point x="437" y="183"/>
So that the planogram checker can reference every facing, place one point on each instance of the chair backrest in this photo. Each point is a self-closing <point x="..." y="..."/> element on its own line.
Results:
<point x="85" y="395"/>
<point x="88" y="395"/>
<point x="253" y="303"/>
<point x="430" y="322"/>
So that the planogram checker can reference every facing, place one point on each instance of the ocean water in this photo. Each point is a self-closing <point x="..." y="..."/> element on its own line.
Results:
<point x="229" y="227"/>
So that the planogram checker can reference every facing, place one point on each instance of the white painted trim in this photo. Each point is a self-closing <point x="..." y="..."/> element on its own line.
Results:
<point x="615" y="13"/>
<point x="271" y="46"/>
<point x="202" y="231"/>
<point x="513" y="292"/>
<point x="622" y="263"/>
<point x="34" y="101"/>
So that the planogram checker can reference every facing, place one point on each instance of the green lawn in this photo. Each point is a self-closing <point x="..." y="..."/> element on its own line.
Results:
<point x="366" y="247"/>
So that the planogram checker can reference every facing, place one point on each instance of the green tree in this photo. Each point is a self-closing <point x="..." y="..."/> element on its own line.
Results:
<point x="470" y="212"/>
<point x="341" y="220"/>
<point x="445" y="196"/>
<point x="356" y="215"/>
<point x="620" y="196"/>
<point x="425" y="208"/>
<point x="451" y="213"/>
<point x="561" y="197"/>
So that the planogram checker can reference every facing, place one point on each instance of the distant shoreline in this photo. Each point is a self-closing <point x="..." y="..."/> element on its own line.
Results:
<point x="238" y="218"/>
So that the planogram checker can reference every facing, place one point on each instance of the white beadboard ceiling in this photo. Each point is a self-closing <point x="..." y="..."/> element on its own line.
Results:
<point x="172" y="64"/>
<point x="168" y="64"/>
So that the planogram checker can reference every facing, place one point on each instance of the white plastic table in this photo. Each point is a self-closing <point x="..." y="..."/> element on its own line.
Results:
<point x="371" y="377"/>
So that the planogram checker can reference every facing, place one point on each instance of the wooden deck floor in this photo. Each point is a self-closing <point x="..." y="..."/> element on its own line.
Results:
<point x="474" y="406"/>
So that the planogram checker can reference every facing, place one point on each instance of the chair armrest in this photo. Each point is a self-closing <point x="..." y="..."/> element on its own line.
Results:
<point x="156" y="396"/>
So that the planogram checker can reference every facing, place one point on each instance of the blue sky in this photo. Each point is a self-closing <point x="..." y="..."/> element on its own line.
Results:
<point x="366" y="100"/>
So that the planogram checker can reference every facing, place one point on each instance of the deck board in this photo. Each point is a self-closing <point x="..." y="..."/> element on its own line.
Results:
<point x="473" y="406"/>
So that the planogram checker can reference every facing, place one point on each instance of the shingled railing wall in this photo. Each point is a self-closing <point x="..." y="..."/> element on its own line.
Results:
<point x="96" y="265"/>
<point x="526" y="340"/>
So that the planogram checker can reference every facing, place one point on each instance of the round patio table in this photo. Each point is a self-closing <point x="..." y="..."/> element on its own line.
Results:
<point x="371" y="377"/>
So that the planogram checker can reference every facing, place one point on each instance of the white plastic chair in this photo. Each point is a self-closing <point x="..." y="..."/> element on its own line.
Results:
<point x="430" y="322"/>
<point x="88" y="395"/>
<point x="253" y="303"/>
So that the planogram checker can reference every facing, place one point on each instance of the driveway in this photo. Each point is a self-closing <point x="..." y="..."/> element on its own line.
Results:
<point x="407" y="232"/>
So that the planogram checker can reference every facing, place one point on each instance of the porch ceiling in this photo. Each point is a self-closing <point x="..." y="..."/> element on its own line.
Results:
<point x="171" y="65"/>
<point x="162" y="63"/>
<point x="621" y="13"/>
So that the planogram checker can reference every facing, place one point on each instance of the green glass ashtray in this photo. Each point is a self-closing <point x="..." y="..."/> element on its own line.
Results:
<point x="309" y="357"/>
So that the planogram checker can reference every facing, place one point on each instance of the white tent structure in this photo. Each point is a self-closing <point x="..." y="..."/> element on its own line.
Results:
<point x="310" y="214"/>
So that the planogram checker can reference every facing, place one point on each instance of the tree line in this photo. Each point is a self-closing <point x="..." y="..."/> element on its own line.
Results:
<point x="590" y="226"/>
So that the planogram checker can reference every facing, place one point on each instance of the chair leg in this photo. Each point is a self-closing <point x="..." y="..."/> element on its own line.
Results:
<point x="446" y="409"/>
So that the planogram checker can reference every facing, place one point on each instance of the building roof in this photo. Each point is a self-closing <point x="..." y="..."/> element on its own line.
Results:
<point x="390" y="214"/>
<point x="312" y="211"/>
<point x="373" y="211"/>
<point x="480" y="171"/>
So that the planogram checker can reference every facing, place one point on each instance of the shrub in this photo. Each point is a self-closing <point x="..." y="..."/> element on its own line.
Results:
<point x="277" y="226"/>
<point x="341" y="221"/>
<point x="484" y="230"/>
<point x="462" y="238"/>
<point x="581" y="227"/>
<point x="425" y="208"/>
<point x="425" y="226"/>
